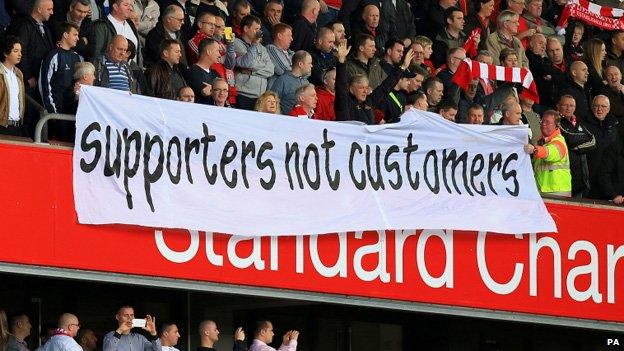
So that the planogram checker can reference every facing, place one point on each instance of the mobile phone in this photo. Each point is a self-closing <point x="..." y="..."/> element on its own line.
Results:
<point x="138" y="323"/>
<point x="227" y="32"/>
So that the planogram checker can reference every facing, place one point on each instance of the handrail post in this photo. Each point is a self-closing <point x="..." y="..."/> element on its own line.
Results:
<point x="45" y="119"/>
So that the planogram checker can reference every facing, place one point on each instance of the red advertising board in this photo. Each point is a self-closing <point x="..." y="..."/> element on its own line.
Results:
<point x="577" y="272"/>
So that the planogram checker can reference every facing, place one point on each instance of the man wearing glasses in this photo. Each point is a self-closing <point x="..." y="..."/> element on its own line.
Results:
<point x="506" y="36"/>
<point x="168" y="28"/>
<point x="603" y="126"/>
<point x="123" y="339"/>
<point x="63" y="337"/>
<point x="205" y="29"/>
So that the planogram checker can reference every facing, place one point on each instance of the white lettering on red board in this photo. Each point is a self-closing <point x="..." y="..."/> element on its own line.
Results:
<point x="582" y="256"/>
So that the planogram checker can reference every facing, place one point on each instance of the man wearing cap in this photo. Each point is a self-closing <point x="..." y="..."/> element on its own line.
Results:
<point x="391" y="108"/>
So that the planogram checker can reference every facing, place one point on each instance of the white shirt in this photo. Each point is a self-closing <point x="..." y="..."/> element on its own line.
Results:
<point x="123" y="28"/>
<point x="169" y="348"/>
<point x="14" y="93"/>
<point x="61" y="343"/>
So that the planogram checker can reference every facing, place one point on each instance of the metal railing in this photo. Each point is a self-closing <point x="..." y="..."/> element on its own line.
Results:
<point x="41" y="130"/>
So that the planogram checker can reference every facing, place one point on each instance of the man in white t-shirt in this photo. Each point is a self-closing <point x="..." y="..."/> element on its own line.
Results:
<point x="63" y="337"/>
<point x="169" y="336"/>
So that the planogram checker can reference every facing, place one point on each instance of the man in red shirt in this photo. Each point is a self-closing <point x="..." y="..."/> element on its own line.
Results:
<point x="306" y="102"/>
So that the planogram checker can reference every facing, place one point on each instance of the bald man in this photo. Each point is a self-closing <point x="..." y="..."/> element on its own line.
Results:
<point x="111" y="69"/>
<point x="209" y="335"/>
<point x="63" y="337"/>
<point x="370" y="24"/>
<point x="576" y="85"/>
<point x="36" y="39"/>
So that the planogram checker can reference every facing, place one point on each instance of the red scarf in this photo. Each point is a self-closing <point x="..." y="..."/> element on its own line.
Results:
<point x="60" y="331"/>
<point x="600" y="16"/>
<point x="469" y="69"/>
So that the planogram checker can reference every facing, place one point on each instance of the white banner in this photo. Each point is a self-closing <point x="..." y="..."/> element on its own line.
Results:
<point x="160" y="163"/>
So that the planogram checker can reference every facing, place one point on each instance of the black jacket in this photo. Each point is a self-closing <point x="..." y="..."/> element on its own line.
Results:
<point x="541" y="68"/>
<point x="392" y="110"/>
<point x="580" y="94"/>
<point x="238" y="346"/>
<point x="606" y="136"/>
<point x="398" y="19"/>
<point x="164" y="81"/>
<point x="435" y="19"/>
<point x="594" y="81"/>
<point x="382" y="34"/>
<point x="321" y="62"/>
<point x="616" y="99"/>
<point x="611" y="176"/>
<point x="152" y="45"/>
<point x="56" y="81"/>
<point x="451" y="90"/>
<point x="580" y="141"/>
<point x="350" y="13"/>
<point x="186" y="31"/>
<point x="196" y="77"/>
<point x="304" y="34"/>
<point x="346" y="105"/>
<point x="35" y="46"/>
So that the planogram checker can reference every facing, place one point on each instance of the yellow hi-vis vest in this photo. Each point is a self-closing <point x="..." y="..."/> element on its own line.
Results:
<point x="552" y="165"/>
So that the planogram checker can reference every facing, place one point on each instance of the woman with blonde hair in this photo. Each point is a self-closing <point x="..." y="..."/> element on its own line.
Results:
<point x="595" y="53"/>
<point x="268" y="102"/>
<point x="4" y="331"/>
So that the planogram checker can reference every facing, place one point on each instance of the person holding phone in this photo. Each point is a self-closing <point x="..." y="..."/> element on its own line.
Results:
<point x="123" y="339"/>
<point x="253" y="65"/>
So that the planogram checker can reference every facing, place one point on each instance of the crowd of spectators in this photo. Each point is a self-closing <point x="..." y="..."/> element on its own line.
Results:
<point x="132" y="334"/>
<point x="333" y="60"/>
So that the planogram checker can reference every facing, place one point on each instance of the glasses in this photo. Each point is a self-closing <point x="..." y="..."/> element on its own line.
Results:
<point x="459" y="58"/>
<point x="181" y="20"/>
<point x="221" y="91"/>
<point x="601" y="106"/>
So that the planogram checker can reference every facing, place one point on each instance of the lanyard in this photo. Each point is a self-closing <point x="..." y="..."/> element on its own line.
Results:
<point x="396" y="100"/>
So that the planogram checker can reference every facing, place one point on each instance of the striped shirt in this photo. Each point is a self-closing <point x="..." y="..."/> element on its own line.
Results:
<point x="117" y="75"/>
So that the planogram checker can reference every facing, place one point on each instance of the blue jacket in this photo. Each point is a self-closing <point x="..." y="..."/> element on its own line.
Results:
<point x="56" y="80"/>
